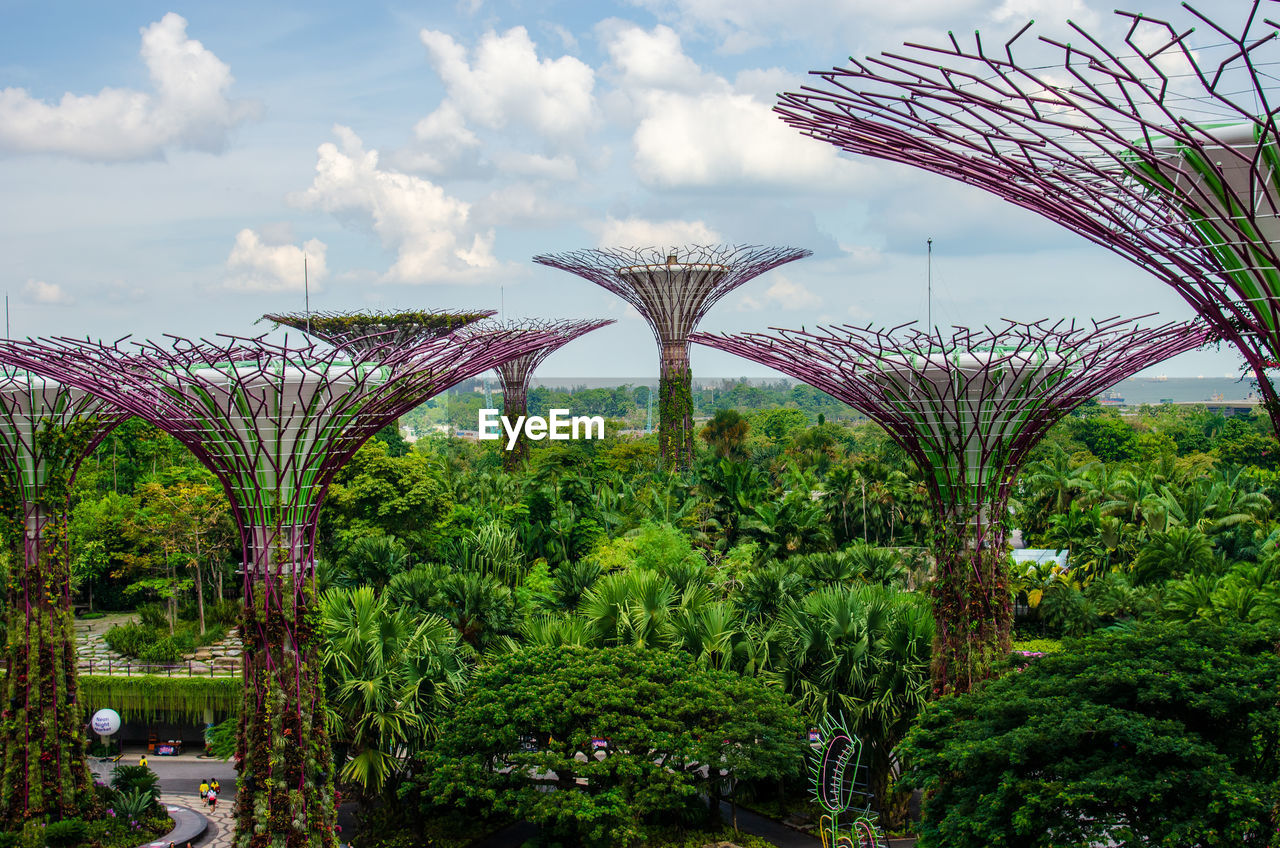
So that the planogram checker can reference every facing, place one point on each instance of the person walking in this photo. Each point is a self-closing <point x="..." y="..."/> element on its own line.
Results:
<point x="213" y="800"/>
<point x="142" y="761"/>
<point x="215" y="785"/>
<point x="204" y="789"/>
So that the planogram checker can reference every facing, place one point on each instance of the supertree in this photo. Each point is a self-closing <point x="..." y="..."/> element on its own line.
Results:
<point x="274" y="423"/>
<point x="1162" y="149"/>
<point x="354" y="331"/>
<point x="967" y="409"/>
<point x="673" y="289"/>
<point x="46" y="430"/>
<point x="515" y="373"/>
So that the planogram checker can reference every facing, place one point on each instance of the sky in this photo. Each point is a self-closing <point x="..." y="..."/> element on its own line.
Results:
<point x="164" y="168"/>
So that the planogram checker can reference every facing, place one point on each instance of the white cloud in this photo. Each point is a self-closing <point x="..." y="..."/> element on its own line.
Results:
<point x="695" y="129"/>
<point x="783" y="293"/>
<point x="652" y="58"/>
<point x="639" y="232"/>
<point x="188" y="108"/>
<point x="255" y="266"/>
<point x="48" y="294"/>
<point x="430" y="231"/>
<point x="441" y="141"/>
<point x="505" y="81"/>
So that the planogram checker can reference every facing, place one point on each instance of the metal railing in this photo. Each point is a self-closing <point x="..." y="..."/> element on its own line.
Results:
<point x="128" y="668"/>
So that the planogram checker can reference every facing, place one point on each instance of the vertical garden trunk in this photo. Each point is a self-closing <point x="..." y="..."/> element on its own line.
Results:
<point x="515" y="403"/>
<point x="675" y="406"/>
<point x="285" y="796"/>
<point x="971" y="603"/>
<point x="45" y="775"/>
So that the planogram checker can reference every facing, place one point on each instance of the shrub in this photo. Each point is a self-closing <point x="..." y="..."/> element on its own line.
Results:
<point x="223" y="611"/>
<point x="136" y="778"/>
<point x="68" y="833"/>
<point x="134" y="805"/>
<point x="163" y="650"/>
<point x="153" y="616"/>
<point x="539" y="710"/>
<point x="1160" y="735"/>
<point x="128" y="639"/>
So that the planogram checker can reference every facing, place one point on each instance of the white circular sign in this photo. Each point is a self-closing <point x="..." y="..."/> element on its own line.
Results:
<point x="105" y="722"/>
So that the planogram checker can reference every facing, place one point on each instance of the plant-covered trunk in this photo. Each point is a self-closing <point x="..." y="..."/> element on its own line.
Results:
<point x="45" y="775"/>
<point x="515" y="404"/>
<point x="285" y="797"/>
<point x="675" y="406"/>
<point x="971" y="603"/>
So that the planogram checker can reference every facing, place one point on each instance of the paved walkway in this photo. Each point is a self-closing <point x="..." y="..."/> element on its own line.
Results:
<point x="180" y="779"/>
<point x="188" y="828"/>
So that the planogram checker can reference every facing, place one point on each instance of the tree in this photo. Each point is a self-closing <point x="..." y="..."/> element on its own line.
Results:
<point x="726" y="433"/>
<point x="863" y="652"/>
<point x="671" y="730"/>
<point x="389" y="671"/>
<point x="1176" y="553"/>
<point x="1165" y="734"/>
<point x="378" y="492"/>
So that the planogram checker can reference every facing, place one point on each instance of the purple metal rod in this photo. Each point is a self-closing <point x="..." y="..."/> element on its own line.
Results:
<point x="515" y="373"/>
<point x="967" y="409"/>
<point x="46" y="431"/>
<point x="274" y="423"/>
<point x="673" y="289"/>
<point x="1162" y="149"/>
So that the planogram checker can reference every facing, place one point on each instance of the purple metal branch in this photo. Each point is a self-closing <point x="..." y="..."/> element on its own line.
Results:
<point x="967" y="408"/>
<point x="516" y="372"/>
<point x="1124" y="146"/>
<point x="672" y="288"/>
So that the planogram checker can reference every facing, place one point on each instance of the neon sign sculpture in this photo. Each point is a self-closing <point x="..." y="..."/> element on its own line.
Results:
<point x="834" y="768"/>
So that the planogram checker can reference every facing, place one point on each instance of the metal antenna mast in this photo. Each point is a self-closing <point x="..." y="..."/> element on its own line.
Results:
<point x="306" y="292"/>
<point x="929" y="303"/>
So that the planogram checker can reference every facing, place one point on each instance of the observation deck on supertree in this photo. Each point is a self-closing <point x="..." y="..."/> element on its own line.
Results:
<point x="967" y="409"/>
<point x="356" y="331"/>
<point x="46" y="431"/>
<point x="1162" y="148"/>
<point x="673" y="289"/>
<point x="515" y="373"/>
<point x="274" y="423"/>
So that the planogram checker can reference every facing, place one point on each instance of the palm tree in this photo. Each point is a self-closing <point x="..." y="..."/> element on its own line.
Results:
<point x="375" y="559"/>
<point x="389" y="672"/>
<point x="479" y="606"/>
<point x="792" y="525"/>
<point x="730" y="489"/>
<point x="862" y="651"/>
<point x="1177" y="552"/>
<point x="767" y="591"/>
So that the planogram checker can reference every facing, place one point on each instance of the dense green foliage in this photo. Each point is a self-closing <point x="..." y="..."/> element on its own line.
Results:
<point x="628" y="734"/>
<point x="795" y="552"/>
<point x="1168" y="734"/>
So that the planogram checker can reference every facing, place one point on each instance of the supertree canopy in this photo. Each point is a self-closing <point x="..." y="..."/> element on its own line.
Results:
<point x="274" y="423"/>
<point x="967" y="409"/>
<point x="46" y="430"/>
<point x="673" y="289"/>
<point x="361" y="330"/>
<point x="516" y="372"/>
<point x="1163" y="148"/>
